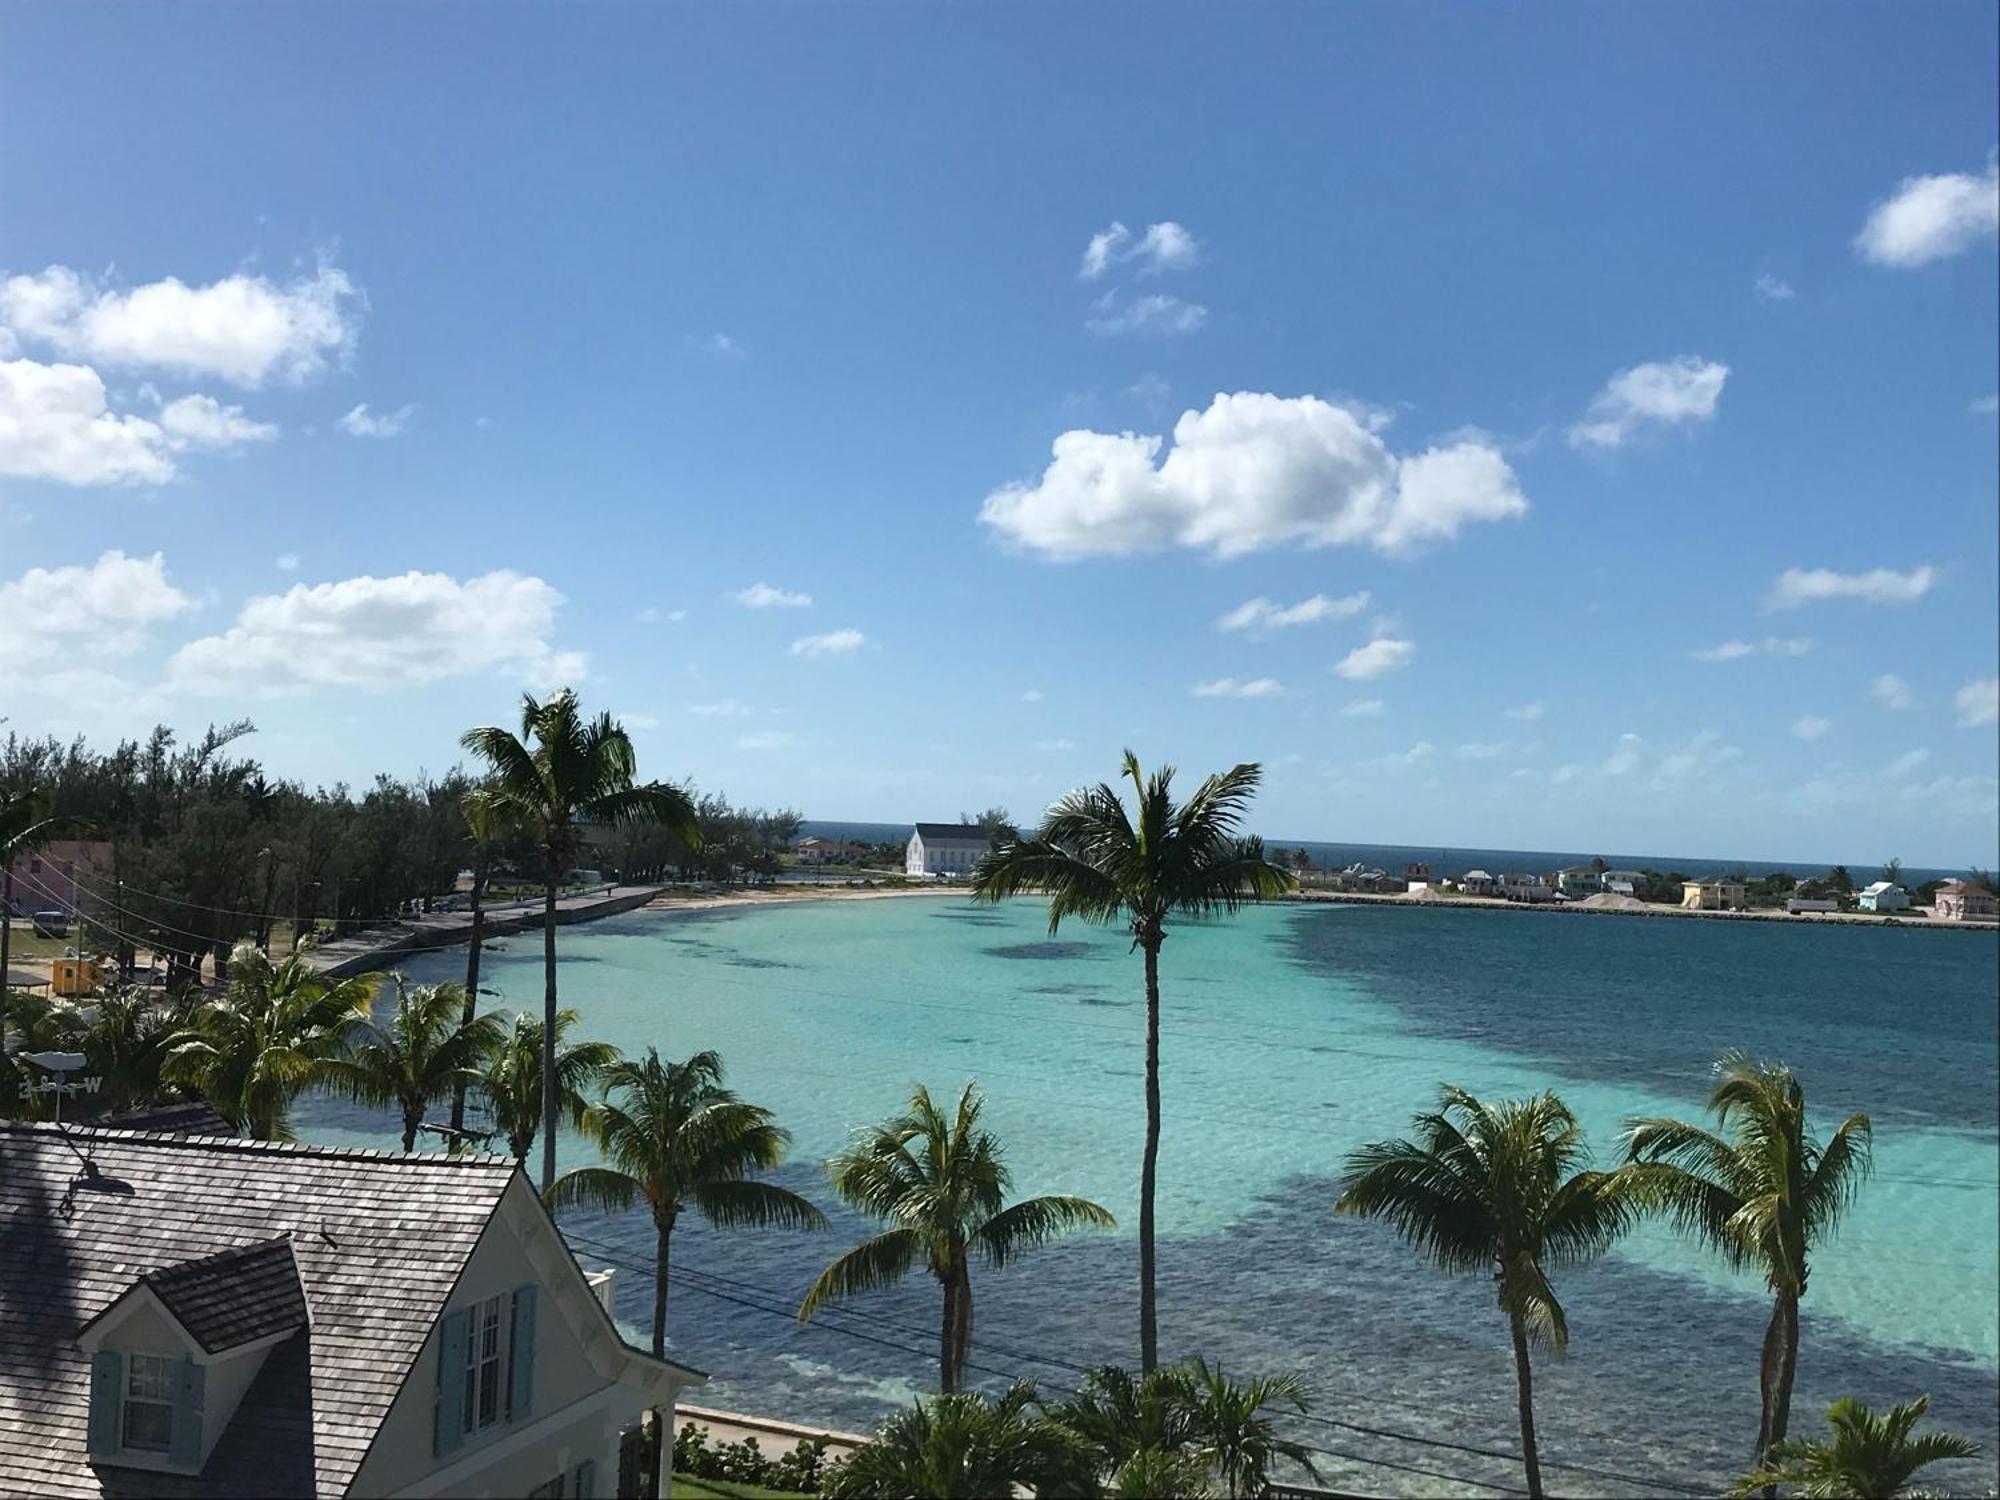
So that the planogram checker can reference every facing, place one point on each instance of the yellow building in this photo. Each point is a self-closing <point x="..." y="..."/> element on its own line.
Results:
<point x="1714" y="894"/>
<point x="76" y="976"/>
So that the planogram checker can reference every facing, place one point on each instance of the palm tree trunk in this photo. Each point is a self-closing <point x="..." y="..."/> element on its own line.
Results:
<point x="471" y="986"/>
<point x="961" y="1333"/>
<point x="947" y="1371"/>
<point x="1788" y="1364"/>
<point x="411" y="1119"/>
<point x="1149" y="1338"/>
<point x="1524" y="1380"/>
<point x="6" y="941"/>
<point x="661" y="1264"/>
<point x="549" y="1041"/>
<point x="1767" y="1378"/>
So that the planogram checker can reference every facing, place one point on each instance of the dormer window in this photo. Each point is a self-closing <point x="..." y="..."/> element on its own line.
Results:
<point x="149" y="1402"/>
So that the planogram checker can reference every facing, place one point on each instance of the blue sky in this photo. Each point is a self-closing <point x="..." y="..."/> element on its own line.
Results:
<point x="1636" y="364"/>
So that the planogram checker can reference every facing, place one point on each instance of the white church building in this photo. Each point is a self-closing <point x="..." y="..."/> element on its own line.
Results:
<point x="944" y="849"/>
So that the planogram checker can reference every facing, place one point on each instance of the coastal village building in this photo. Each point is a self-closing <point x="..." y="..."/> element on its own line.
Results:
<point x="1621" y="882"/>
<point x="1578" y="880"/>
<point x="818" y="851"/>
<point x="58" y="877"/>
<point x="1884" y="895"/>
<point x="1523" y="887"/>
<point x="944" y="849"/>
<point x="186" y="1315"/>
<point x="1714" y="893"/>
<point x="1962" y="901"/>
<point x="1476" y="883"/>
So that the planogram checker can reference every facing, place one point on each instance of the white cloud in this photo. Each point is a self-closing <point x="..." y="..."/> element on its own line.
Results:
<point x="762" y="596"/>
<point x="1702" y="754"/>
<point x="1397" y="760"/>
<point x="1978" y="703"/>
<point x="1774" y="289"/>
<point x="287" y="562"/>
<point x="1229" y="687"/>
<point x="1771" y="645"/>
<point x="54" y="424"/>
<point x="1033" y="695"/>
<point x="1378" y="658"/>
<point x="1929" y="218"/>
<point x="833" y="643"/>
<point x="1165" y="246"/>
<point x="1987" y="406"/>
<point x="1155" y="312"/>
<point x="649" y="615"/>
<point x="1810" y="727"/>
<point x="363" y="423"/>
<point x="721" y="345"/>
<point x="380" y="634"/>
<point x="1907" y="763"/>
<point x="1260" y="616"/>
<point x="1056" y="746"/>
<point x="1797" y="586"/>
<point x="1251" y="472"/>
<point x="1664" y="393"/>
<point x="1891" y="691"/>
<point x="1364" y="708"/>
<point x="55" y="617"/>
<point x="1624" y="758"/>
<point x="204" y="422"/>
<point x="243" y="329"/>
<point x="767" y="739"/>
<point x="1482" y="750"/>
<point x="728" y="708"/>
<point x="639" y="721"/>
<point x="1528" y="713"/>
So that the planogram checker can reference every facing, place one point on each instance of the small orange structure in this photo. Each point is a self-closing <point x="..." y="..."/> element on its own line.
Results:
<point x="76" y="976"/>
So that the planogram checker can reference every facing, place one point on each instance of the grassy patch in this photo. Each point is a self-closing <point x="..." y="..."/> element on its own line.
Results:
<point x="722" y="1489"/>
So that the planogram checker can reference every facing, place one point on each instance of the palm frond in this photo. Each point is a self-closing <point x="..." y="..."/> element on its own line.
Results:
<point x="1034" y="1222"/>
<point x="729" y="1205"/>
<point x="878" y="1262"/>
<point x="593" y="1187"/>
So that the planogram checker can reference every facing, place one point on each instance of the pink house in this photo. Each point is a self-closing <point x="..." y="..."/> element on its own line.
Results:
<point x="59" y="876"/>
<point x="1962" y="901"/>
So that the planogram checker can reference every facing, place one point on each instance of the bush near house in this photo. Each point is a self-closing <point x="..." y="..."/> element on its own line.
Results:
<point x="799" y="1472"/>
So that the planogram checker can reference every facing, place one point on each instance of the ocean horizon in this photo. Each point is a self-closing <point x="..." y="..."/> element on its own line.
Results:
<point x="1445" y="860"/>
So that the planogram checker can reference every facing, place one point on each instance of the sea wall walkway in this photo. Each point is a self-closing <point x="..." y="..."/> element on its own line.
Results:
<point x="381" y="947"/>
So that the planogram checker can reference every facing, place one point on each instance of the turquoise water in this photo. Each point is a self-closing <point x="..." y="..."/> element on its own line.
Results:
<point x="1292" y="1034"/>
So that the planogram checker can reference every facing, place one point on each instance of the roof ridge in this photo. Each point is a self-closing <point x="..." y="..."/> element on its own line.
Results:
<point x="232" y="1253"/>
<point x="80" y="1132"/>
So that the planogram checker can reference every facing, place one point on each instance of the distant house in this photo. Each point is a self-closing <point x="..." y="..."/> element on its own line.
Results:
<point x="60" y="876"/>
<point x="1885" y="895"/>
<point x="1714" y="893"/>
<point x="1416" y="872"/>
<point x="1477" y="883"/>
<point x="1360" y="877"/>
<point x="817" y="851"/>
<point x="1578" y="880"/>
<point x="1962" y="901"/>
<point x="1523" y="887"/>
<point x="185" y="1315"/>
<point x="1621" y="882"/>
<point x="944" y="849"/>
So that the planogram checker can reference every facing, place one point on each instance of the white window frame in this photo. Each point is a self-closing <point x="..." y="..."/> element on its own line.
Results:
<point x="487" y="1316"/>
<point x="149" y="1381"/>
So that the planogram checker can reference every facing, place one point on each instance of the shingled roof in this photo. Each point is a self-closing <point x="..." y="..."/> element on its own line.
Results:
<point x="234" y="1297"/>
<point x="951" y="833"/>
<point x="379" y="1240"/>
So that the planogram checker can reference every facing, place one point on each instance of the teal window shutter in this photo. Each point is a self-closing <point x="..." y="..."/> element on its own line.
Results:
<point x="107" y="1399"/>
<point x="584" y="1481"/>
<point x="521" y="1359"/>
<point x="189" y="1383"/>
<point x="448" y="1430"/>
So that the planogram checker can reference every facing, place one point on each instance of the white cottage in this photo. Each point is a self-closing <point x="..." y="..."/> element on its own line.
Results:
<point x="190" y="1316"/>
<point x="944" y="849"/>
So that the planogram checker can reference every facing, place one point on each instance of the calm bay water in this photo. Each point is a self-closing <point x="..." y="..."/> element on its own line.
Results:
<point x="1291" y="1035"/>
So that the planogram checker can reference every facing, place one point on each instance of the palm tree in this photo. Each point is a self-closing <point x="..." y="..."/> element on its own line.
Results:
<point x="1493" y="1189"/>
<point x="676" y="1139"/>
<point x="579" y="771"/>
<point x="941" y="1182"/>
<point x="1187" y="1419"/>
<point x="423" y="1052"/>
<point x="1097" y="863"/>
<point x="483" y="821"/>
<point x="128" y="1043"/>
<point x="965" y="1447"/>
<point x="266" y="1039"/>
<point x="510" y="1078"/>
<point x="1230" y="1428"/>
<point x="1761" y="1192"/>
<point x="1868" y="1455"/>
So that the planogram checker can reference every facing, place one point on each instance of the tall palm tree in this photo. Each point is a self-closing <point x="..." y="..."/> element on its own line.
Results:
<point x="580" y="770"/>
<point x="1867" y="1455"/>
<point x="677" y="1139"/>
<point x="128" y="1042"/>
<point x="1097" y="862"/>
<point x="965" y="1447"/>
<point x="1493" y="1190"/>
<point x="941" y="1182"/>
<point x="510" y="1078"/>
<point x="1761" y="1190"/>
<point x="423" y="1052"/>
<point x="254" y="1049"/>
<point x="484" y="823"/>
